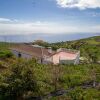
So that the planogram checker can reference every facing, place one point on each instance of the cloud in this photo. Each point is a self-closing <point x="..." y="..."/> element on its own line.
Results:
<point x="81" y="4"/>
<point x="41" y="27"/>
<point x="7" y="20"/>
<point x="96" y="28"/>
<point x="29" y="28"/>
<point x="9" y="26"/>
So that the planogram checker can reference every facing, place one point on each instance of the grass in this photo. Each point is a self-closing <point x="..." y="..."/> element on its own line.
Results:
<point x="4" y="46"/>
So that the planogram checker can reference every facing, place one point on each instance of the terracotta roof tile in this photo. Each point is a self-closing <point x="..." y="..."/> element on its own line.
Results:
<point x="29" y="49"/>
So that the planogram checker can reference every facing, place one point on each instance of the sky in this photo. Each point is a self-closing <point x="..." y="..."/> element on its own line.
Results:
<point x="49" y="16"/>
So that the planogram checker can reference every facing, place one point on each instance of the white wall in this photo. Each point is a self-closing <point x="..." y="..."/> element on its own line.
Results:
<point x="64" y="58"/>
<point x="23" y="55"/>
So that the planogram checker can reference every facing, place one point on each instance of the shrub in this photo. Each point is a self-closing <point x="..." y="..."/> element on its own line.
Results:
<point x="5" y="54"/>
<point x="18" y="81"/>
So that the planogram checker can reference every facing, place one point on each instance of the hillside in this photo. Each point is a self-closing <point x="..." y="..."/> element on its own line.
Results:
<point x="23" y="79"/>
<point x="92" y="40"/>
<point x="78" y="43"/>
<point x="89" y="47"/>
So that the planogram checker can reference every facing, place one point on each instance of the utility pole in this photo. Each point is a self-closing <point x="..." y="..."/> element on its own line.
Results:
<point x="42" y="55"/>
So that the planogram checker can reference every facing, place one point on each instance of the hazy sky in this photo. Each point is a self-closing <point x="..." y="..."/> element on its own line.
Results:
<point x="49" y="16"/>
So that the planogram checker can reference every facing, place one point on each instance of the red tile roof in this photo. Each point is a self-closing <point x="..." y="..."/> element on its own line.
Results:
<point x="31" y="50"/>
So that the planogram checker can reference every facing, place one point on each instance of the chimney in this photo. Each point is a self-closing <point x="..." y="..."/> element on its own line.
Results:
<point x="49" y="49"/>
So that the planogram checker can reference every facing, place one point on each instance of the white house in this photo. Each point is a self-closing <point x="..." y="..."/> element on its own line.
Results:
<point x="64" y="56"/>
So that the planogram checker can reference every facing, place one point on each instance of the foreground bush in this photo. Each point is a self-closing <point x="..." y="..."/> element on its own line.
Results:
<point x="5" y="54"/>
<point x="26" y="79"/>
<point x="18" y="81"/>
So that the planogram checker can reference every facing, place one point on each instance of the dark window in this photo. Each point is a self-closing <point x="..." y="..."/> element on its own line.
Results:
<point x="41" y="60"/>
<point x="19" y="55"/>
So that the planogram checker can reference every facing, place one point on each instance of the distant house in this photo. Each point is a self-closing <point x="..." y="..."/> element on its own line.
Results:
<point x="64" y="56"/>
<point x="30" y="51"/>
<point x="46" y="56"/>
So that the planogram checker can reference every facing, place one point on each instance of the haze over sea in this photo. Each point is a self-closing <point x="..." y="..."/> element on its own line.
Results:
<point x="46" y="37"/>
<point x="49" y="20"/>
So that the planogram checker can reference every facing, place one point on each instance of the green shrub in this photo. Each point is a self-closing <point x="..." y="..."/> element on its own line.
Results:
<point x="18" y="81"/>
<point x="5" y="54"/>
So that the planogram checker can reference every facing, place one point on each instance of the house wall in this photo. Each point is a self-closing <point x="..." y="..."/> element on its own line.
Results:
<point x="65" y="58"/>
<point x="47" y="60"/>
<point x="59" y="58"/>
<point x="67" y="62"/>
<point x="77" y="60"/>
<point x="23" y="55"/>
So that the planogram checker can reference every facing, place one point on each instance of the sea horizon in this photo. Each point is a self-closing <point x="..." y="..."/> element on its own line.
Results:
<point x="48" y="38"/>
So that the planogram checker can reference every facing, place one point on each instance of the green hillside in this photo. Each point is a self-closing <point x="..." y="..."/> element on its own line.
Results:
<point x="89" y="47"/>
<point x="4" y="45"/>
<point x="22" y="79"/>
<point x="92" y="40"/>
<point x="76" y="44"/>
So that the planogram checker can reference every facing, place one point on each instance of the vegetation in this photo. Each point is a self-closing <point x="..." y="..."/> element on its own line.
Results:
<point x="4" y="51"/>
<point x="18" y="80"/>
<point x="5" y="54"/>
<point x="26" y="79"/>
<point x="4" y="45"/>
<point x="89" y="48"/>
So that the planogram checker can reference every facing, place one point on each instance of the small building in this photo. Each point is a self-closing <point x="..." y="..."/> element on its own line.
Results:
<point x="46" y="56"/>
<point x="64" y="56"/>
<point x="30" y="51"/>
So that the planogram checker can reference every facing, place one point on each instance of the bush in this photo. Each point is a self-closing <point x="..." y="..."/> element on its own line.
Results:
<point x="5" y="54"/>
<point x="18" y="81"/>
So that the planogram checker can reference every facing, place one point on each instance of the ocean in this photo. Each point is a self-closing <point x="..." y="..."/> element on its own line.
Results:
<point x="46" y="37"/>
